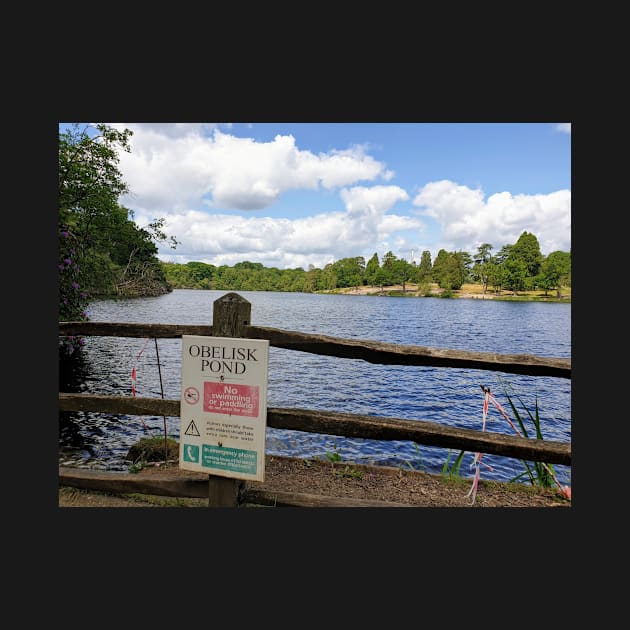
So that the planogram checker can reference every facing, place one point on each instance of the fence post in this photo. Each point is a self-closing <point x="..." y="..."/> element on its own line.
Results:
<point x="230" y="314"/>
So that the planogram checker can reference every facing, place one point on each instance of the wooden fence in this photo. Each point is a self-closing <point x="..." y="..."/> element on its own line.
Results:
<point x="232" y="318"/>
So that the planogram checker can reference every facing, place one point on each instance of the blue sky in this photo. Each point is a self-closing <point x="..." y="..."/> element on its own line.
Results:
<point x="299" y="194"/>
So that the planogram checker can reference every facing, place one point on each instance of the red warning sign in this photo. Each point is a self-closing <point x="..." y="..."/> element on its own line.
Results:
<point x="235" y="400"/>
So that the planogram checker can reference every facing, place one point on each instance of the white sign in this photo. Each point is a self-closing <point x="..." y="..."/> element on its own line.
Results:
<point x="224" y="406"/>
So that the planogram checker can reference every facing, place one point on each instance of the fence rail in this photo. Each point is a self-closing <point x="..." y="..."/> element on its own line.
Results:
<point x="232" y="318"/>
<point x="367" y="350"/>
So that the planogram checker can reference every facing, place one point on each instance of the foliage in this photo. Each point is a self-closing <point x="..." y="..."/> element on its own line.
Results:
<point x="421" y="465"/>
<point x="538" y="473"/>
<point x="101" y="249"/>
<point x="482" y="261"/>
<point x="334" y="455"/>
<point x="453" y="470"/>
<point x="423" y="271"/>
<point x="153" y="449"/>
<point x="555" y="271"/>
<point x="371" y="269"/>
<point x="347" y="471"/>
<point x="527" y="250"/>
<point x="450" y="270"/>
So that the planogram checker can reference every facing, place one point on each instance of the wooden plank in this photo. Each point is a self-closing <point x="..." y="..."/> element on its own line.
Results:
<point x="398" y="354"/>
<point x="130" y="405"/>
<point x="175" y="486"/>
<point x="125" y="483"/>
<point x="349" y="425"/>
<point x="118" y="329"/>
<point x="366" y="350"/>
<point x="295" y="499"/>
<point x="421" y="432"/>
<point x="231" y="314"/>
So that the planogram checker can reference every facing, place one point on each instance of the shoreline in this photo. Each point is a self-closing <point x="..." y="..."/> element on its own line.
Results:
<point x="468" y="291"/>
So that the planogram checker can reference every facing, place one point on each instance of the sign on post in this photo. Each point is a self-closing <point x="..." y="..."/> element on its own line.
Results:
<point x="224" y="406"/>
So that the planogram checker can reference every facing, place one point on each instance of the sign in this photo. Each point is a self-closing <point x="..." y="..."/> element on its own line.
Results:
<point x="223" y="417"/>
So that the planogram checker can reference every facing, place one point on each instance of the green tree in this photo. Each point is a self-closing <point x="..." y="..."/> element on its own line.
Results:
<point x="555" y="271"/>
<point x="465" y="263"/>
<point x="101" y="250"/>
<point x="311" y="279"/>
<point x="403" y="272"/>
<point x="349" y="271"/>
<point x="494" y="274"/>
<point x="481" y="260"/>
<point x="423" y="271"/>
<point x="439" y="265"/>
<point x="89" y="184"/>
<point x="371" y="270"/>
<point x="451" y="271"/>
<point x="514" y="274"/>
<point x="389" y="268"/>
<point x="527" y="250"/>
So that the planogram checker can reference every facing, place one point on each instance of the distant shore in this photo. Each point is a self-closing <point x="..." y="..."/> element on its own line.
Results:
<point x="470" y="291"/>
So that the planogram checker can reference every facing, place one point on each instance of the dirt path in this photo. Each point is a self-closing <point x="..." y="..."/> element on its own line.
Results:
<point x="347" y="480"/>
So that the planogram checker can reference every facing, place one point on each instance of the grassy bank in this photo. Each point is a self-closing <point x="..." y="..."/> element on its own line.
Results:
<point x="470" y="291"/>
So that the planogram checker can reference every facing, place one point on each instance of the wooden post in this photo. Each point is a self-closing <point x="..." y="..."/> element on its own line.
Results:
<point x="231" y="313"/>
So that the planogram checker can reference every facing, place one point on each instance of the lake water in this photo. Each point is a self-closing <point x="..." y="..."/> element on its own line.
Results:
<point x="450" y="396"/>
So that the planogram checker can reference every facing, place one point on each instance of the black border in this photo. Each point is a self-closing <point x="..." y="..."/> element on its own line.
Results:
<point x="380" y="542"/>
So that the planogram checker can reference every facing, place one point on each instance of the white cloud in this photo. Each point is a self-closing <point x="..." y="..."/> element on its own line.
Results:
<point x="467" y="219"/>
<point x="563" y="127"/>
<point x="280" y="242"/>
<point x="173" y="166"/>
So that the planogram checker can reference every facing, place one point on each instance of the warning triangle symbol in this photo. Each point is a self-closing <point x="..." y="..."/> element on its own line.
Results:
<point x="192" y="429"/>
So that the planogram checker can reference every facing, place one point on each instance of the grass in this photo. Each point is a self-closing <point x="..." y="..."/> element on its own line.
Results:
<point x="539" y="474"/>
<point x="334" y="457"/>
<point x="152" y="449"/>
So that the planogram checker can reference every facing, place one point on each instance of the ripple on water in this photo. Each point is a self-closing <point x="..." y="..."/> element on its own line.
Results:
<point x="299" y="379"/>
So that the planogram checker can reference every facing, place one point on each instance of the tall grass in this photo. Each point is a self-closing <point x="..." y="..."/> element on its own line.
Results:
<point x="539" y="474"/>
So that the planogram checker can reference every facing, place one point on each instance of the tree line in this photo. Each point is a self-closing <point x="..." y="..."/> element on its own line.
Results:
<point x="102" y="252"/>
<point x="517" y="267"/>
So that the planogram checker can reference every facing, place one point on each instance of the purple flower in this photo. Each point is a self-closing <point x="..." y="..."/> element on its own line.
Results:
<point x="61" y="267"/>
<point x="64" y="234"/>
<point x="75" y="285"/>
<point x="67" y="261"/>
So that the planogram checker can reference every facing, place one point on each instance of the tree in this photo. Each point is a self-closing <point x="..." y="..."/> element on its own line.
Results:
<point x="451" y="271"/>
<point x="388" y="267"/>
<point x="423" y="271"/>
<point x="438" y="265"/>
<point x="403" y="271"/>
<point x="465" y="263"/>
<point x="481" y="261"/>
<point x="349" y="271"/>
<point x="371" y="270"/>
<point x="88" y="190"/>
<point x="555" y="271"/>
<point x="527" y="250"/>
<point x="514" y="274"/>
<point x="101" y="249"/>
